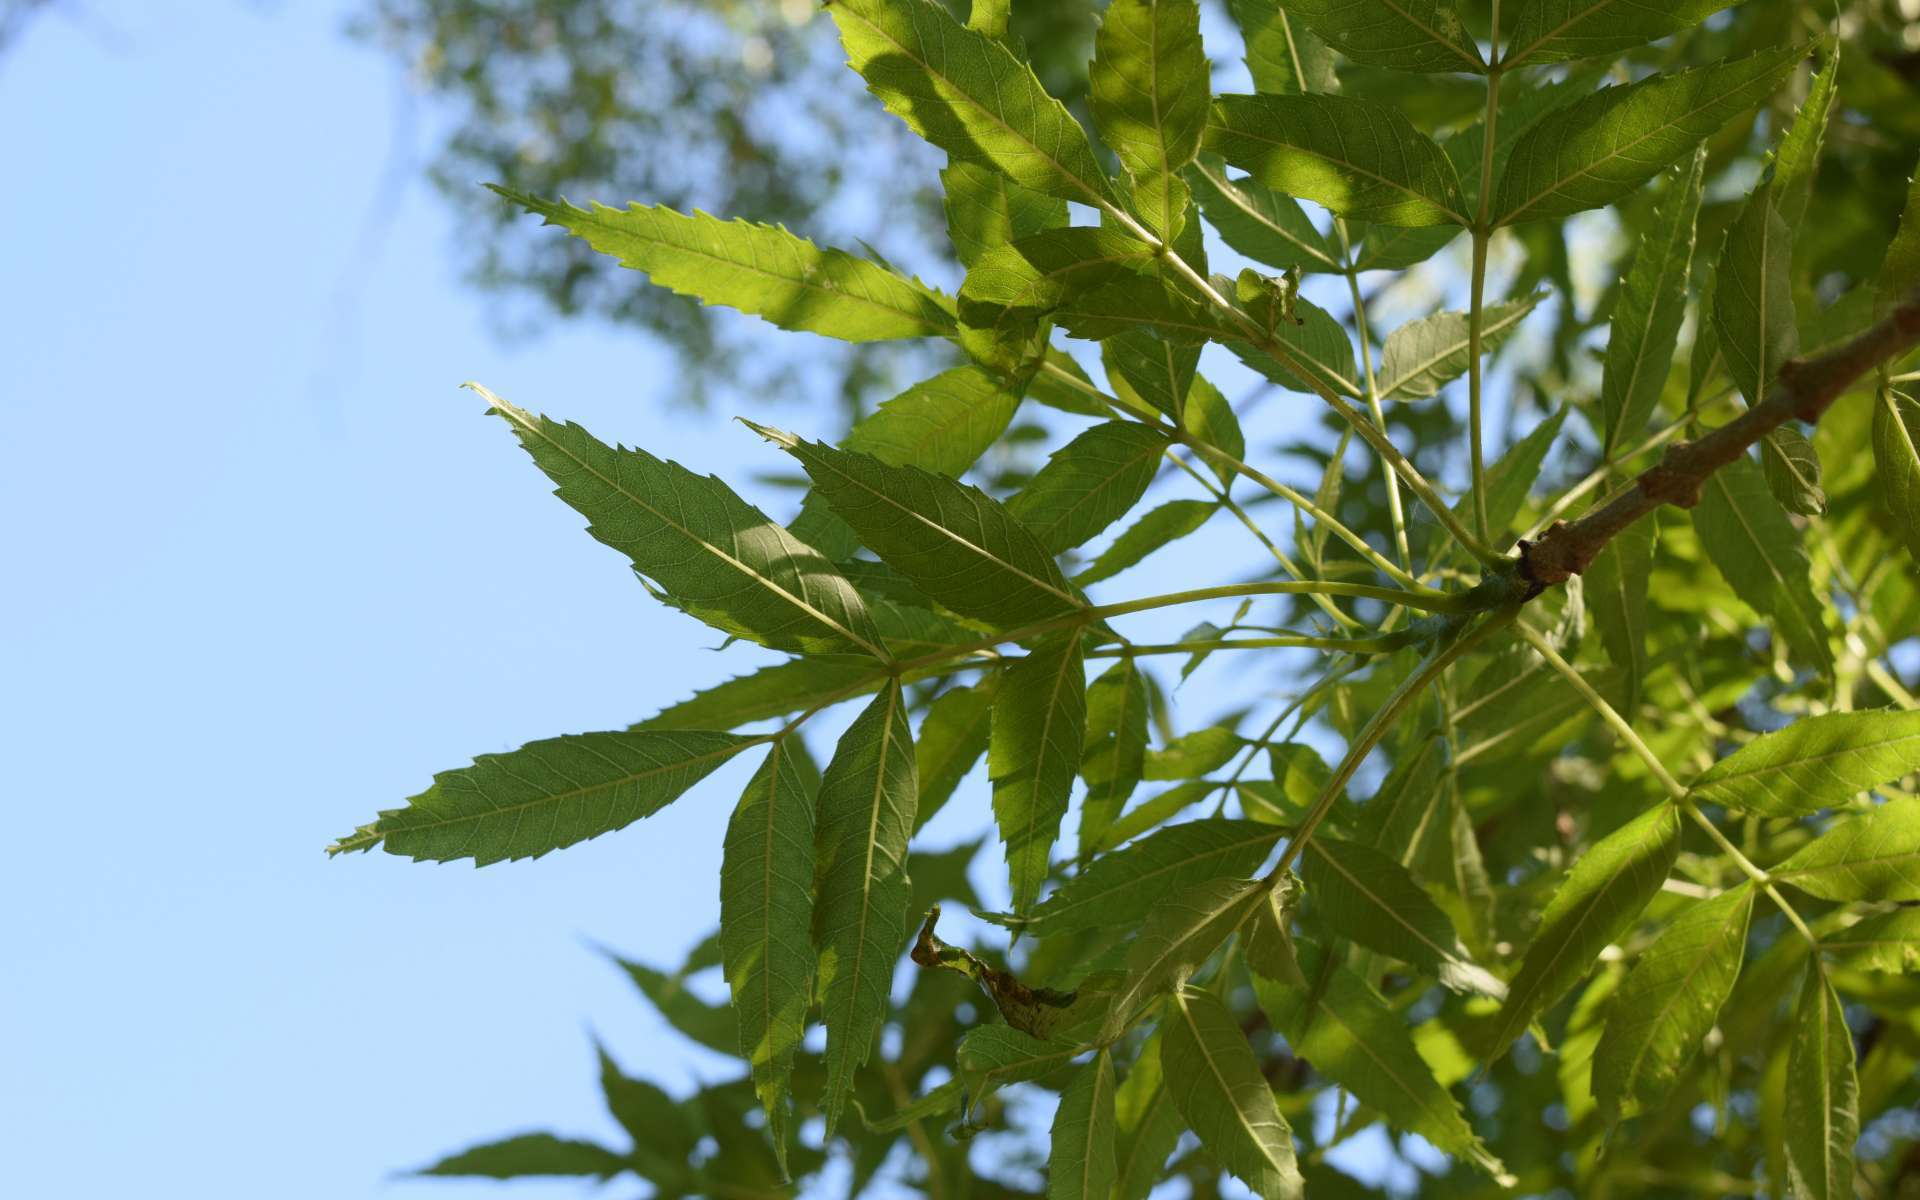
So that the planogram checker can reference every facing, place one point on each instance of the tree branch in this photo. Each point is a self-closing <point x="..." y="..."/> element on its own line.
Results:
<point x="1804" y="390"/>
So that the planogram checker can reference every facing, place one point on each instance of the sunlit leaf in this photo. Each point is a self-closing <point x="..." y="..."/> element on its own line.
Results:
<point x="1357" y="158"/>
<point x="969" y="95"/>
<point x="1545" y="31"/>
<point x="1600" y="148"/>
<point x="1089" y="483"/>
<point x="1282" y="55"/>
<point x="758" y="269"/>
<point x="1114" y="758"/>
<point x="986" y="210"/>
<point x="1423" y="356"/>
<point x="1410" y="35"/>
<point x="1149" y="98"/>
<point x="1669" y="1003"/>
<point x="1363" y="894"/>
<point x="1157" y="528"/>
<point x="1181" y="932"/>
<point x="1896" y="459"/>
<point x="1748" y="537"/>
<point x="1753" y="297"/>
<point x="943" y="424"/>
<point x="1816" y="762"/>
<point x="1873" y="855"/>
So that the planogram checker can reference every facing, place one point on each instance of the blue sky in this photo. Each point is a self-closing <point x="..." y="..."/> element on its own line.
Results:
<point x="269" y="570"/>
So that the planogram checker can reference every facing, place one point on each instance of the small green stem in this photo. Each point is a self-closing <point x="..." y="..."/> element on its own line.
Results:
<point x="1395" y="512"/>
<point x="1286" y="564"/>
<point x="1675" y="789"/>
<point x="1382" y="721"/>
<point x="1379" y="645"/>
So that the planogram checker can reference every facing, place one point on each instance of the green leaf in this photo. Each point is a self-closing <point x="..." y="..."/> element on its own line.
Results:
<point x="943" y="424"/>
<point x="967" y="94"/>
<point x="1902" y="264"/>
<point x="1114" y="758"/>
<point x="1180" y="933"/>
<point x="1510" y="479"/>
<point x="1027" y="279"/>
<point x="1749" y="538"/>
<point x="1669" y="1004"/>
<point x="1152" y="373"/>
<point x="1792" y="469"/>
<point x="711" y="1025"/>
<point x="1351" y="1036"/>
<point x="1363" y="894"/>
<point x="1318" y="344"/>
<point x="1602" y="147"/>
<point x="1356" y="158"/>
<point x="1265" y="225"/>
<point x="758" y="269"/>
<point x="1216" y="1084"/>
<point x="863" y="819"/>
<point x="1896" y="460"/>
<point x="1823" y="1094"/>
<point x="1089" y="483"/>
<point x="1149" y="99"/>
<point x="1888" y="942"/>
<point x="1753" y="297"/>
<point x="1209" y="419"/>
<point x="986" y="210"/>
<point x="1149" y="1125"/>
<point x="772" y="691"/>
<point x="1408" y="35"/>
<point x="1404" y="813"/>
<point x="993" y="1056"/>
<point x="1123" y="886"/>
<point x="1139" y="302"/>
<point x="1039" y="729"/>
<point x="546" y="795"/>
<point x="1602" y="896"/>
<point x="1194" y="754"/>
<point x="1081" y="1166"/>
<point x="1814" y="763"/>
<point x="531" y="1154"/>
<point x="664" y="1133"/>
<point x="1647" y="317"/>
<point x="954" y="542"/>
<point x="766" y="920"/>
<point x="715" y="555"/>
<point x="1799" y="154"/>
<point x="1163" y="525"/>
<point x="1546" y="31"/>
<point x="1283" y="58"/>
<point x="1615" y="588"/>
<point x="1874" y="855"/>
<point x="953" y="736"/>
<point x="1423" y="356"/>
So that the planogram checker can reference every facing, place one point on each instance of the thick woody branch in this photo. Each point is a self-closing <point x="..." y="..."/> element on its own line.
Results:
<point x="1804" y="390"/>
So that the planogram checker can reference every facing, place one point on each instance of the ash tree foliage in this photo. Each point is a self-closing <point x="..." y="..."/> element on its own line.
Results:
<point x="1614" y="887"/>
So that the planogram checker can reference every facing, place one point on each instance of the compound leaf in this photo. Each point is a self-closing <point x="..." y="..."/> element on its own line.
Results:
<point x="1122" y="886"/>
<point x="1874" y="855"/>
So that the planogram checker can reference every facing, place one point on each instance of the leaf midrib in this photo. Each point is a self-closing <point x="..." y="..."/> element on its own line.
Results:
<point x="1520" y="313"/>
<point x="1042" y="918"/>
